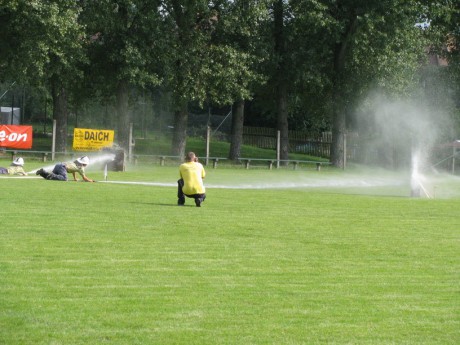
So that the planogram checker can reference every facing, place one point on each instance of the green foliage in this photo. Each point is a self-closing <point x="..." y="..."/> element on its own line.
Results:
<point x="209" y="56"/>
<point x="229" y="74"/>
<point x="42" y="39"/>
<point x="219" y="52"/>
<point x="125" y="42"/>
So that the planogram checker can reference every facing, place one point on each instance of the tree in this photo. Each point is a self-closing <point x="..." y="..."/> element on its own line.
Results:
<point x="361" y="43"/>
<point x="125" y="45"/>
<point x="442" y="25"/>
<point x="234" y="73"/>
<point x="188" y="26"/>
<point x="281" y="76"/>
<point x="204" y="65"/>
<point x="276" y="63"/>
<point x="43" y="45"/>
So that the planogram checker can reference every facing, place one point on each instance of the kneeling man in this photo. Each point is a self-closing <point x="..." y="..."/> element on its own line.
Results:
<point x="191" y="181"/>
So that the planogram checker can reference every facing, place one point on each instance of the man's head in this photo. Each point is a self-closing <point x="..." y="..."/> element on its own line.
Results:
<point x="18" y="162"/>
<point x="190" y="157"/>
<point x="83" y="161"/>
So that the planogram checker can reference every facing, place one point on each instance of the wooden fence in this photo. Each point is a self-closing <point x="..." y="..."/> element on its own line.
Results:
<point x="299" y="141"/>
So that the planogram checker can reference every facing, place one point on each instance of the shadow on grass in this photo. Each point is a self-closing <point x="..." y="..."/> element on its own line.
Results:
<point x="161" y="204"/>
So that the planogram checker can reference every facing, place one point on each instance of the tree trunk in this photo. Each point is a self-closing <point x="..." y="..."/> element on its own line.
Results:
<point x="60" y="115"/>
<point x="123" y="115"/>
<point x="338" y="134"/>
<point x="180" y="97"/>
<point x="283" y="127"/>
<point x="339" y="108"/>
<point x="281" y="82"/>
<point x="237" y="130"/>
<point x="180" y="131"/>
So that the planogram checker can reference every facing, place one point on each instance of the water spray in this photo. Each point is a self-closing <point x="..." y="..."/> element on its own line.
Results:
<point x="417" y="187"/>
<point x="105" y="171"/>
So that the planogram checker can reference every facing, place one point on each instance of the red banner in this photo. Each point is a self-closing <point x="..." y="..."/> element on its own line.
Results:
<point x="16" y="137"/>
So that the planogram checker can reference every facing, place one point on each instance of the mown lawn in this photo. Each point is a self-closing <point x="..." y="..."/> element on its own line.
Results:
<point x="335" y="258"/>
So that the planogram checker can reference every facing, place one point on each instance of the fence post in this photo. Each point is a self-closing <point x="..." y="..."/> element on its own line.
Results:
<point x="278" y="148"/>
<point x="130" y="145"/>
<point x="248" y="161"/>
<point x="53" y="145"/>
<point x="208" y="139"/>
<point x="453" y="158"/>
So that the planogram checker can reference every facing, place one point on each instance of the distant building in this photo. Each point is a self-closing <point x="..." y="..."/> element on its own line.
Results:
<point x="10" y="116"/>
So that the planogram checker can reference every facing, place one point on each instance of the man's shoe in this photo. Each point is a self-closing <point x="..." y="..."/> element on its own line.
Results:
<point x="198" y="202"/>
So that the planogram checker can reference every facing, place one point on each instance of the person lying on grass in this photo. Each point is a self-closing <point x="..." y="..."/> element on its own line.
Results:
<point x="60" y="170"/>
<point x="16" y="168"/>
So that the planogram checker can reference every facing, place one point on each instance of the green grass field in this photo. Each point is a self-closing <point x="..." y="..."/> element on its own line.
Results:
<point x="272" y="257"/>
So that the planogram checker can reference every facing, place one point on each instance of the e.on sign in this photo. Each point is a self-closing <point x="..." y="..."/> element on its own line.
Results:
<point x="16" y="137"/>
<point x="92" y="139"/>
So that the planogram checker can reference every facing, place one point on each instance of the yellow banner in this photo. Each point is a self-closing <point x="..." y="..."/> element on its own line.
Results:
<point x="92" y="139"/>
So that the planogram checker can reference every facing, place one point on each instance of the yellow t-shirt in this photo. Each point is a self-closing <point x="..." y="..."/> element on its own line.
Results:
<point x="16" y="170"/>
<point x="193" y="174"/>
<point x="72" y="167"/>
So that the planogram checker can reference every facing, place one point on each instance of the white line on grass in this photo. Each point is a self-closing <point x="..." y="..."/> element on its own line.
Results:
<point x="315" y="183"/>
<point x="21" y="177"/>
<point x="283" y="185"/>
